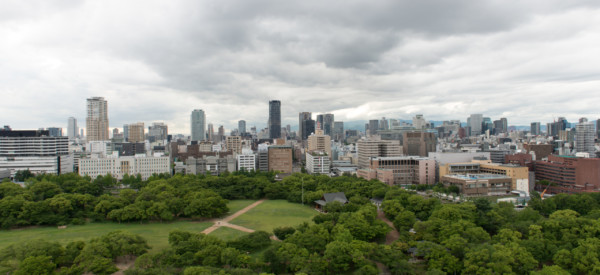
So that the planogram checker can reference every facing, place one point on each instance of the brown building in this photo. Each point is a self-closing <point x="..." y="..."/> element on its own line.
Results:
<point x="280" y="158"/>
<point x="570" y="174"/>
<point x="541" y="150"/>
<point x="479" y="184"/>
<point x="376" y="148"/>
<point x="418" y="143"/>
<point x="406" y="170"/>
<point x="513" y="171"/>
<point x="180" y="151"/>
<point x="520" y="159"/>
<point x="136" y="132"/>
<point x="234" y="144"/>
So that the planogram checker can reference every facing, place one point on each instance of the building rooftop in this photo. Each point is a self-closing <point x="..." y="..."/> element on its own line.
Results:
<point x="401" y="158"/>
<point x="478" y="176"/>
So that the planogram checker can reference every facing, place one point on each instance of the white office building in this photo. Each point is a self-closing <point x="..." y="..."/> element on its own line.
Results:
<point x="317" y="162"/>
<point x="246" y="162"/>
<point x="34" y="150"/>
<point x="119" y="166"/>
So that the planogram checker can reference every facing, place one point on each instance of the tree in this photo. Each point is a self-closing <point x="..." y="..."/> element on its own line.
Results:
<point x="22" y="175"/>
<point x="36" y="265"/>
<point x="283" y="232"/>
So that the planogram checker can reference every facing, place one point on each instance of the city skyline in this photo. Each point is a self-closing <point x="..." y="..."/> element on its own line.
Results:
<point x="527" y="61"/>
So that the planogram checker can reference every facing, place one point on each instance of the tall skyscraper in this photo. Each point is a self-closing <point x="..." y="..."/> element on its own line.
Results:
<point x="338" y="130"/>
<point x="327" y="125"/>
<point x="373" y="126"/>
<point x="598" y="128"/>
<point x="383" y="124"/>
<point x="535" y="128"/>
<point x="198" y="125"/>
<point x="126" y="132"/>
<point x="475" y="121"/>
<point x="221" y="134"/>
<point x="136" y="132"/>
<point x="308" y="127"/>
<point x="274" y="119"/>
<point x="158" y="131"/>
<point x="584" y="142"/>
<point x="72" y="129"/>
<point x="302" y="117"/>
<point x="96" y="123"/>
<point x="504" y="125"/>
<point x="242" y="127"/>
<point x="211" y="132"/>
<point x="55" y="132"/>
<point x="320" y="120"/>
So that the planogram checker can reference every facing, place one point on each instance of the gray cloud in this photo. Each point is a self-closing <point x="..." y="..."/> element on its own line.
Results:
<point x="158" y="60"/>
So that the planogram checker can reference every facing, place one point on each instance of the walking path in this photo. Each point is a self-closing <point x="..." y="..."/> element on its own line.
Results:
<point x="226" y="220"/>
<point x="392" y="235"/>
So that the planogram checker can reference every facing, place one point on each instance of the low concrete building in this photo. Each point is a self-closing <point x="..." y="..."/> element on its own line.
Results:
<point x="247" y="162"/>
<point x="280" y="158"/>
<point x="479" y="184"/>
<point x="515" y="172"/>
<point x="317" y="162"/>
<point x="214" y="164"/>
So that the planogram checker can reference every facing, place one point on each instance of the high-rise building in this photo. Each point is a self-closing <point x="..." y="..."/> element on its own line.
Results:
<point x="418" y="143"/>
<point x="338" y="131"/>
<point x="419" y="122"/>
<point x="158" y="131"/>
<point x="320" y="120"/>
<point x="584" y="142"/>
<point x="211" y="132"/>
<point x="554" y="128"/>
<point x="242" y="127"/>
<point x="598" y="128"/>
<point x="368" y="149"/>
<point x="198" y="121"/>
<point x="474" y="122"/>
<point x="308" y="128"/>
<point x="383" y="124"/>
<point x="126" y="132"/>
<point x="55" y="132"/>
<point x="303" y="116"/>
<point x="373" y="126"/>
<point x="136" y="132"/>
<point x="96" y="122"/>
<point x="221" y="134"/>
<point x="328" y="120"/>
<point x="234" y="144"/>
<point x="317" y="162"/>
<point x="274" y="119"/>
<point x="535" y="128"/>
<point x="504" y="125"/>
<point x="319" y="142"/>
<point x="35" y="151"/>
<point x="72" y="130"/>
<point x="280" y="158"/>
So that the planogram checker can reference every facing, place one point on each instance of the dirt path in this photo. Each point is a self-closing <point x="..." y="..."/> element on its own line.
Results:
<point x="392" y="235"/>
<point x="226" y="220"/>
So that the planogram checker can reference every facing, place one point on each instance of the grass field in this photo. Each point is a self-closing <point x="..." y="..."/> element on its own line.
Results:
<point x="227" y="234"/>
<point x="156" y="234"/>
<point x="237" y="205"/>
<point x="274" y="213"/>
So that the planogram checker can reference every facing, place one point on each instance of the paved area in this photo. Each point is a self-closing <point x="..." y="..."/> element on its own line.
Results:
<point x="225" y="221"/>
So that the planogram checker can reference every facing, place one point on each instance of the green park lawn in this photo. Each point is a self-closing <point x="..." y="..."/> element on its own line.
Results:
<point x="237" y="205"/>
<point x="156" y="234"/>
<point x="227" y="234"/>
<point x="275" y="213"/>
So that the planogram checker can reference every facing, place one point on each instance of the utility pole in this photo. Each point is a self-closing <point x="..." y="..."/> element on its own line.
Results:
<point x="302" y="190"/>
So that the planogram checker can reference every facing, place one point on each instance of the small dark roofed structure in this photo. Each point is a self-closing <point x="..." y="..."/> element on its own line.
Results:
<point x="330" y="197"/>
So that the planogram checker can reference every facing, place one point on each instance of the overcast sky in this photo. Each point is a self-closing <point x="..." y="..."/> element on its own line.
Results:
<point x="159" y="60"/>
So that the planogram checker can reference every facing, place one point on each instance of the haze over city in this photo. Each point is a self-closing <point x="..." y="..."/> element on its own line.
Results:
<point x="360" y="60"/>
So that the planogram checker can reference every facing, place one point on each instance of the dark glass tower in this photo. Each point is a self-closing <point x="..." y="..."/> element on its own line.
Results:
<point x="274" y="119"/>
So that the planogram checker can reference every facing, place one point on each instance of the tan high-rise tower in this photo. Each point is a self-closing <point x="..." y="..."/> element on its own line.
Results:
<point x="96" y="123"/>
<point x="136" y="132"/>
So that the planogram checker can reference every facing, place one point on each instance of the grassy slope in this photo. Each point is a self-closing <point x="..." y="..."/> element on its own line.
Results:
<point x="275" y="213"/>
